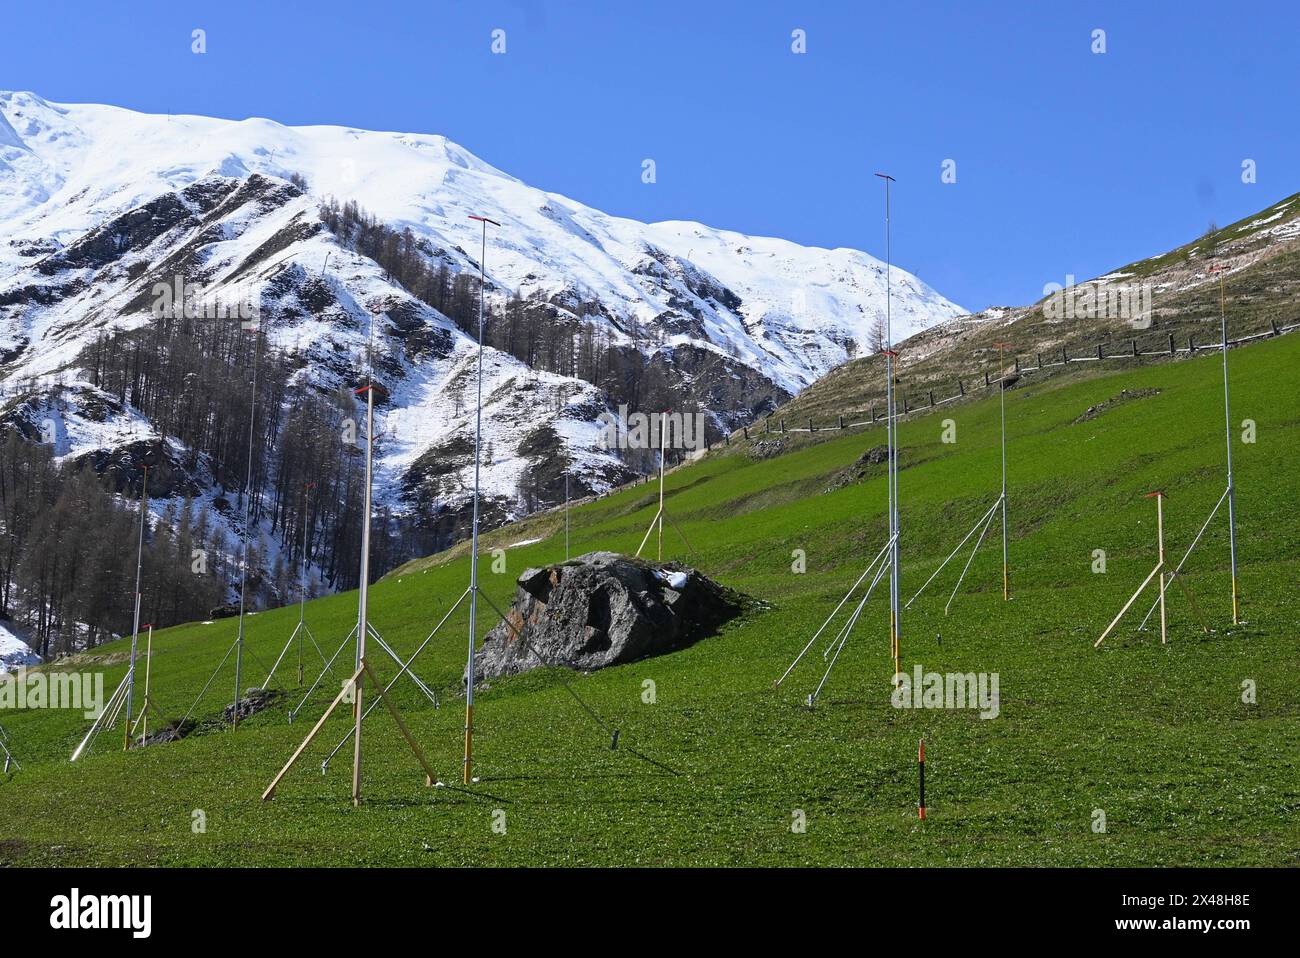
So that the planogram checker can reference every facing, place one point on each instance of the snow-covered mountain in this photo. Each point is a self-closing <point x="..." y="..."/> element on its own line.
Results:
<point x="98" y="204"/>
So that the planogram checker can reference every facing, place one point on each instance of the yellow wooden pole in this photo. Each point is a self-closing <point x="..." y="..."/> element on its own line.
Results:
<point x="148" y="668"/>
<point x="270" y="789"/>
<point x="663" y="427"/>
<point x="1160" y="535"/>
<point x="1114" y="622"/>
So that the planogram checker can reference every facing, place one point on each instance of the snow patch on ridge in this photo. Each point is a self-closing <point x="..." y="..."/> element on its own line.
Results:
<point x="14" y="652"/>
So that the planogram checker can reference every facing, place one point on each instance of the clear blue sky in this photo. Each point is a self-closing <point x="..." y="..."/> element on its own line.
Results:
<point x="1068" y="162"/>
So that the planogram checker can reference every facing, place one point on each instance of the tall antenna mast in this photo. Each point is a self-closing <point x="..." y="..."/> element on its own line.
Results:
<point x="248" y="509"/>
<point x="302" y="575"/>
<point x="895" y="625"/>
<point x="1002" y="397"/>
<point x="135" y="627"/>
<point x="1227" y="432"/>
<point x="473" y="562"/>
<point x="887" y="557"/>
<point x="363" y="592"/>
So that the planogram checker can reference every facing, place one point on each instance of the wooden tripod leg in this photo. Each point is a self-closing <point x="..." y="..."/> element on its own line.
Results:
<point x="157" y="712"/>
<point x="406" y="733"/>
<point x="270" y="789"/>
<point x="682" y="536"/>
<point x="145" y="710"/>
<point x="646" y="537"/>
<point x="1192" y="601"/>
<point x="1145" y="582"/>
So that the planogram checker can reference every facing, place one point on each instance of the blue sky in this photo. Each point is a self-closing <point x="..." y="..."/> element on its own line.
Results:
<point x="1067" y="161"/>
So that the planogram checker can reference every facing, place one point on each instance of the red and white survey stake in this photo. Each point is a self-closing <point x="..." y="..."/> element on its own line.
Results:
<point x="920" y="761"/>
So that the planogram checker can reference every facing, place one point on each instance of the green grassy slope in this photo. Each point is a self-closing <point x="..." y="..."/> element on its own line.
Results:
<point x="1156" y="737"/>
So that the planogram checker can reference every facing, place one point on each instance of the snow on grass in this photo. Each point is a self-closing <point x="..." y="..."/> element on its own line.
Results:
<point x="15" y="653"/>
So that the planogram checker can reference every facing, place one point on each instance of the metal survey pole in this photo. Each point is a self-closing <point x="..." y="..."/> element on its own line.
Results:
<point x="148" y="673"/>
<point x="363" y="592"/>
<point x="302" y="579"/>
<point x="248" y="507"/>
<point x="891" y="439"/>
<point x="1227" y="426"/>
<point x="135" y="626"/>
<point x="1002" y="390"/>
<point x="473" y="562"/>
<point x="663" y="428"/>
<point x="920" y="761"/>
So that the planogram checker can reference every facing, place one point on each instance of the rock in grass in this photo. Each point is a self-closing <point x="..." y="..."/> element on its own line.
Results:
<point x="254" y="701"/>
<point x="603" y="609"/>
<point x="1126" y="395"/>
<point x="860" y="470"/>
<point x="173" y="732"/>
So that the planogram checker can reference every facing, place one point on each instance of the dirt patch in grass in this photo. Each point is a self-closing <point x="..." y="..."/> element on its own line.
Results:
<point x="12" y="850"/>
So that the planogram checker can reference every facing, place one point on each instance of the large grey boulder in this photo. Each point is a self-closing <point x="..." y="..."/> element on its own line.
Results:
<point x="603" y="609"/>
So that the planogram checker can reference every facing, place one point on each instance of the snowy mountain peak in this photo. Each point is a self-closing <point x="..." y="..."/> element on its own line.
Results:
<point x="99" y="205"/>
<point x="802" y="307"/>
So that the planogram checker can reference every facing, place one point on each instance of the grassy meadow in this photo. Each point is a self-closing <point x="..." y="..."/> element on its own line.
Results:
<point x="1157" y="738"/>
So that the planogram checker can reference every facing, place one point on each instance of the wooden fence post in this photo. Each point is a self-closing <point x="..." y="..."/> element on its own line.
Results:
<point x="841" y="422"/>
<point x="1171" y="344"/>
